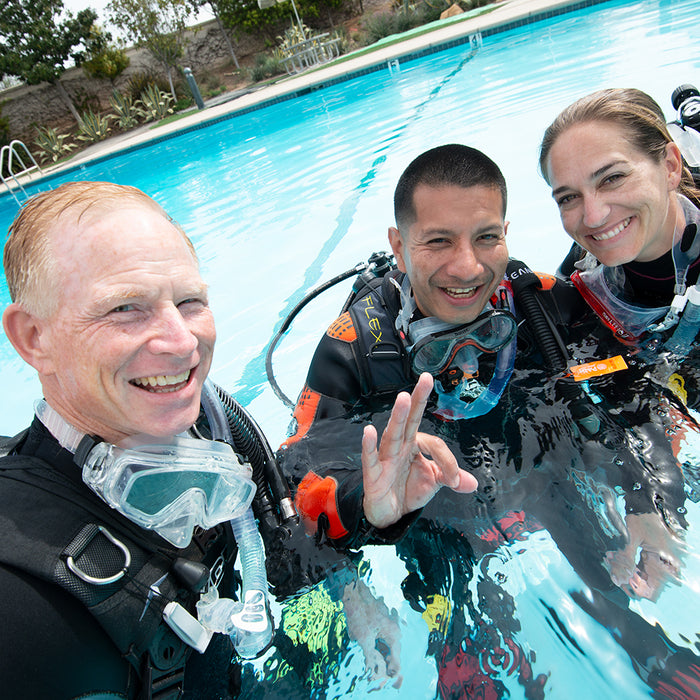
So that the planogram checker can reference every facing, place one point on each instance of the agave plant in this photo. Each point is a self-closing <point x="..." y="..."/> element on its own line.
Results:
<point x="52" y="145"/>
<point x="94" y="127"/>
<point x="155" y="104"/>
<point x="293" y="36"/>
<point x="126" y="111"/>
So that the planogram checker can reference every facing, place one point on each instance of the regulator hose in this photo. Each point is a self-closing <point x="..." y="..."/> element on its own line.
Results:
<point x="273" y="502"/>
<point x="377" y="265"/>
<point x="525" y="284"/>
<point x="288" y="322"/>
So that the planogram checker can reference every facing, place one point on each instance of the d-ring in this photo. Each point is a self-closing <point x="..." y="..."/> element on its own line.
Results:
<point x="73" y="567"/>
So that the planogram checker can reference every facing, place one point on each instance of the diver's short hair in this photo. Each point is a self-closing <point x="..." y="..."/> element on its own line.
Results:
<point x="30" y="268"/>
<point x="451" y="164"/>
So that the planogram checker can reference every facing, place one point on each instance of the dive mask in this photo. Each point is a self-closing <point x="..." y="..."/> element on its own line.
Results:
<point x="436" y="351"/>
<point x="170" y="485"/>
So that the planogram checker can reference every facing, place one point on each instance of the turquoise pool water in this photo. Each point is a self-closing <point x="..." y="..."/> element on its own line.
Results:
<point x="282" y="198"/>
<point x="279" y="199"/>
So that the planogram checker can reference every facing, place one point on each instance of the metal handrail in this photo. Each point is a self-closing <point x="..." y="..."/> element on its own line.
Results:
<point x="12" y="152"/>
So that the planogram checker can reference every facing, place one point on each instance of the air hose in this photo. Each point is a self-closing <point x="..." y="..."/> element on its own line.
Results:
<point x="273" y="500"/>
<point x="249" y="623"/>
<point x="288" y="322"/>
<point x="376" y="266"/>
<point x="525" y="284"/>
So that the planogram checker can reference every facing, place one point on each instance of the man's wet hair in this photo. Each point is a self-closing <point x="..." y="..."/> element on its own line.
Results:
<point x="29" y="263"/>
<point x="451" y="164"/>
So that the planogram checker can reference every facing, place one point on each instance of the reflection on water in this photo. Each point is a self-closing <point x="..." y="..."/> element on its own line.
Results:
<point x="565" y="574"/>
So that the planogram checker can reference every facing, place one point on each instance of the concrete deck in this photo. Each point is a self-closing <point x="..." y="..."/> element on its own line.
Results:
<point x="506" y="13"/>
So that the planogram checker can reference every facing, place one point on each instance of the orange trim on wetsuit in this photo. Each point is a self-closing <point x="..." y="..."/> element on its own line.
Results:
<point x="546" y="281"/>
<point x="315" y="496"/>
<point x="304" y="414"/>
<point x="343" y="329"/>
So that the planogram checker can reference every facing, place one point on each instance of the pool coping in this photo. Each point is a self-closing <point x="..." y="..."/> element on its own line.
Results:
<point x="508" y="15"/>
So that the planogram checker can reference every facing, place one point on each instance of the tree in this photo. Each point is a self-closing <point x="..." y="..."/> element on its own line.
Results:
<point x="214" y="5"/>
<point x="157" y="25"/>
<point x="104" y="59"/>
<point x="248" y="16"/>
<point x="38" y="38"/>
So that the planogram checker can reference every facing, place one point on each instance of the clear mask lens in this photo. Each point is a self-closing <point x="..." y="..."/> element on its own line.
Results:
<point x="171" y="486"/>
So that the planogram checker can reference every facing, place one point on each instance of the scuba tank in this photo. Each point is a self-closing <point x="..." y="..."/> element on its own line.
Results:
<point x="685" y="130"/>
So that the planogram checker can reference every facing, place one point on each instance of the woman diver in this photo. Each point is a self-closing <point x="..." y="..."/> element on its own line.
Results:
<point x="631" y="206"/>
<point x="625" y="196"/>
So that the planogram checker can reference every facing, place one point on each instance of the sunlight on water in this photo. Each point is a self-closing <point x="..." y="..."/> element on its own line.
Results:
<point x="282" y="198"/>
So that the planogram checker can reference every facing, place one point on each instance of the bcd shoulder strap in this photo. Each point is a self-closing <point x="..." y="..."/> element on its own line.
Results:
<point x="381" y="357"/>
<point x="55" y="532"/>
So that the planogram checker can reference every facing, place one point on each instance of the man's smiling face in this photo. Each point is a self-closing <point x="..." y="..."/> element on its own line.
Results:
<point x="131" y="342"/>
<point x="454" y="252"/>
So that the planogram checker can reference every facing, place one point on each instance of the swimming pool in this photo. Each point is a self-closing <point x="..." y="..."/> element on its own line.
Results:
<point x="284" y="197"/>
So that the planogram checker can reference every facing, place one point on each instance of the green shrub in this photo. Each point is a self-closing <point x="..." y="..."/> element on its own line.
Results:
<point x="293" y="36"/>
<point x="430" y="10"/>
<point x="183" y="103"/>
<point x="139" y="82"/>
<point x="109" y="62"/>
<point x="52" y="145"/>
<point x="94" y="127"/>
<point x="385" y="24"/>
<point x="265" y="67"/>
<point x="408" y="16"/>
<point x="86" y="101"/>
<point x="126" y="110"/>
<point x="210" y="83"/>
<point x="155" y="104"/>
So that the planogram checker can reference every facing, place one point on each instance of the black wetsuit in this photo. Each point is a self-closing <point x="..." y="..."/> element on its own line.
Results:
<point x="52" y="646"/>
<point x="538" y="471"/>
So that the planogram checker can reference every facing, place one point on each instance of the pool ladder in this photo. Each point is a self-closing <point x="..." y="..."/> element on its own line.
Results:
<point x="10" y="156"/>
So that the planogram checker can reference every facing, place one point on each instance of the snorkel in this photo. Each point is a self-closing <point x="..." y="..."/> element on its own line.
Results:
<point x="452" y="407"/>
<point x="686" y="247"/>
<point x="249" y="624"/>
<point x="207" y="484"/>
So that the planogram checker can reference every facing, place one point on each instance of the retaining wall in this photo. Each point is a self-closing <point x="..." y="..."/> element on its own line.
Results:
<point x="27" y="106"/>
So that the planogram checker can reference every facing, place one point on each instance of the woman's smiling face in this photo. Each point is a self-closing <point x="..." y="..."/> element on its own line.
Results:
<point x="614" y="200"/>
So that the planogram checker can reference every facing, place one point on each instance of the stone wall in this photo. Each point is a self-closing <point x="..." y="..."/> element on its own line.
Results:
<point x="28" y="106"/>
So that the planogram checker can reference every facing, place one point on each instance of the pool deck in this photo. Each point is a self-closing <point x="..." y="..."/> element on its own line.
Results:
<point x="506" y="13"/>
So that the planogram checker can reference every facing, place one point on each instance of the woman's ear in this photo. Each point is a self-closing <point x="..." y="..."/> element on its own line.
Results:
<point x="674" y="165"/>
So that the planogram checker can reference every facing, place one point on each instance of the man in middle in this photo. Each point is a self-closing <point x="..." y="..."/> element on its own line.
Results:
<point x="563" y="466"/>
<point x="446" y="306"/>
